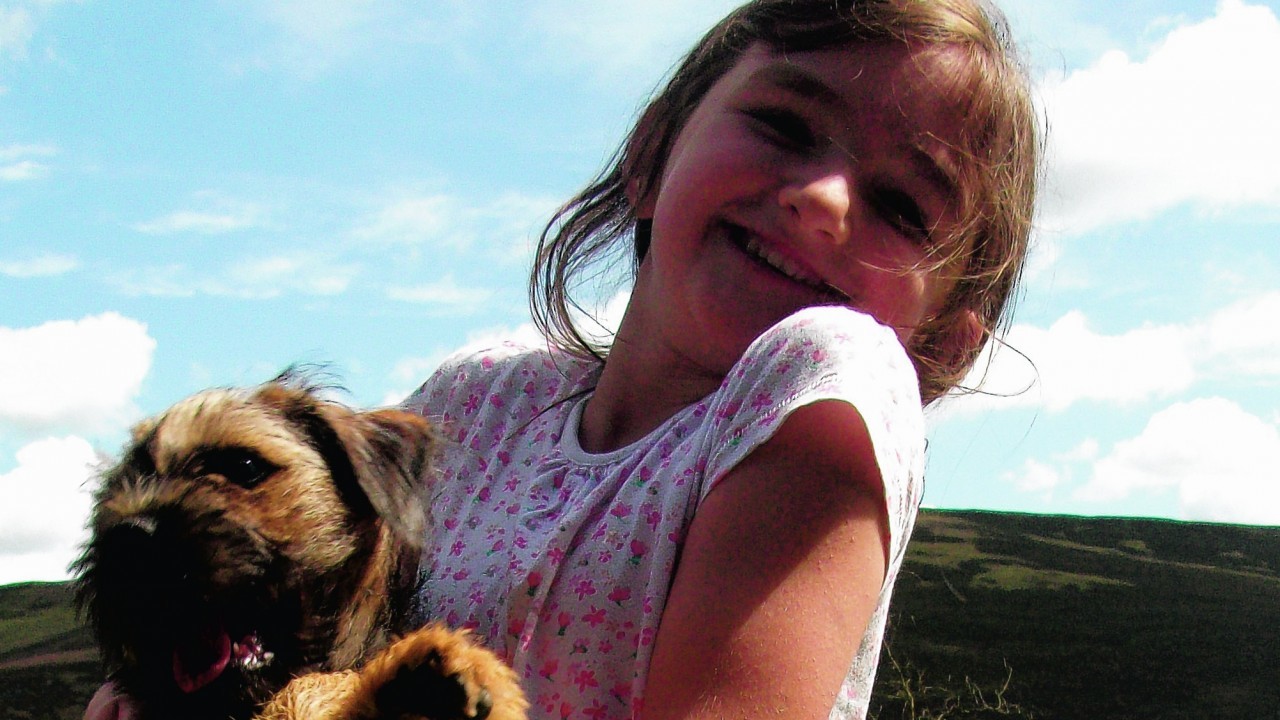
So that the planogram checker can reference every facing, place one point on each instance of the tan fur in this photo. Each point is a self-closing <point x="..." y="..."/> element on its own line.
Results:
<point x="348" y="695"/>
<point x="297" y="515"/>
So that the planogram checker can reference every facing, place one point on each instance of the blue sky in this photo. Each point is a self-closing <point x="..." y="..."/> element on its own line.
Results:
<point x="201" y="194"/>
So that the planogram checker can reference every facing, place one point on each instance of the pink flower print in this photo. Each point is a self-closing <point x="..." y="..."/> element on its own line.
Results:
<point x="497" y="401"/>
<point x="504" y="457"/>
<point x="530" y="389"/>
<point x="565" y="620"/>
<point x="566" y="710"/>
<point x="761" y="401"/>
<point x="579" y="647"/>
<point x="652" y="515"/>
<point x="485" y="494"/>
<point x="457" y="548"/>
<point x="461" y="575"/>
<point x="596" y="711"/>
<point x="621" y="691"/>
<point x="817" y="356"/>
<point x="647" y="635"/>
<point x="471" y="405"/>
<point x="497" y="546"/>
<point x="620" y="595"/>
<point x="585" y="679"/>
<point x="595" y="617"/>
<point x="486" y="362"/>
<point x="729" y="410"/>
<point x="604" y="557"/>
<point x="584" y="588"/>
<point x="555" y="555"/>
<point x="646" y="474"/>
<point x="605" y="646"/>
<point x="638" y="551"/>
<point x="621" y="510"/>
<point x="548" y="669"/>
<point x="451" y="523"/>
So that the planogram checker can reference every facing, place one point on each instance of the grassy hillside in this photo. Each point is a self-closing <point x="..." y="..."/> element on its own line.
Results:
<point x="1084" y="618"/>
<point x="48" y="668"/>
<point x="996" y="616"/>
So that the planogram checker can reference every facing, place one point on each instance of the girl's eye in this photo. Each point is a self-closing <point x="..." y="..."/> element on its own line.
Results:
<point x="784" y="126"/>
<point x="901" y="211"/>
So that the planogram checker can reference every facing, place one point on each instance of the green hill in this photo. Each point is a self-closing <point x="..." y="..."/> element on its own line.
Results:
<point x="1084" y="618"/>
<point x="996" y="616"/>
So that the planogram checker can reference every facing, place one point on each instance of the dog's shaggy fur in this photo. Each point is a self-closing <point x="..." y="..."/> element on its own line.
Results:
<point x="251" y="536"/>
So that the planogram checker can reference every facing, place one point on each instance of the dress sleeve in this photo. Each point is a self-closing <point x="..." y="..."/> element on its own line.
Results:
<point x="826" y="353"/>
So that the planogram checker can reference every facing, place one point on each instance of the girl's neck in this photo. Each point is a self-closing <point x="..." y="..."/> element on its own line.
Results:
<point x="643" y="383"/>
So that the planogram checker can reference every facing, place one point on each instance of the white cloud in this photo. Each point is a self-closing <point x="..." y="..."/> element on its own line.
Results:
<point x="17" y="28"/>
<point x="272" y="276"/>
<point x="46" y="265"/>
<point x="506" y="222"/>
<point x="446" y="292"/>
<point x="23" y="170"/>
<point x="1043" y="478"/>
<point x="633" y="40"/>
<point x="311" y="36"/>
<point x="1220" y="460"/>
<point x="226" y="216"/>
<point x="251" y="279"/>
<point x="1192" y="122"/>
<point x="73" y="376"/>
<point x="1069" y="362"/>
<point x="412" y="220"/>
<point x="44" y="503"/>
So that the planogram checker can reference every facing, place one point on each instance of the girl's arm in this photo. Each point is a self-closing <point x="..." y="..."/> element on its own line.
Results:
<point x="779" y="577"/>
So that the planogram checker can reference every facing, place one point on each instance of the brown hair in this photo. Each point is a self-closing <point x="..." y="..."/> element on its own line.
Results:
<point x="998" y="144"/>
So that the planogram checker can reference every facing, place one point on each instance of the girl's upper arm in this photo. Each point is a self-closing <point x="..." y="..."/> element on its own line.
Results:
<point x="779" y="577"/>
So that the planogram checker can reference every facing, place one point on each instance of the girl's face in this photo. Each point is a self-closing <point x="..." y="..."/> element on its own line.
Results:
<point x="812" y="178"/>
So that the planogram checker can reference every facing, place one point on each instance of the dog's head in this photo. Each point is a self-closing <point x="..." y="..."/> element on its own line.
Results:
<point x="227" y="543"/>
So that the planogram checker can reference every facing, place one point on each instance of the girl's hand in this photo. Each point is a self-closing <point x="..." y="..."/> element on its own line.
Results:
<point x="779" y="578"/>
<point x="107" y="704"/>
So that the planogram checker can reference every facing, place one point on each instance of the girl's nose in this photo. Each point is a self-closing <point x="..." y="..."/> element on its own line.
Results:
<point x="819" y="206"/>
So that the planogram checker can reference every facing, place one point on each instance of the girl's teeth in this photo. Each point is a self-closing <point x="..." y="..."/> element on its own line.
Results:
<point x="781" y="263"/>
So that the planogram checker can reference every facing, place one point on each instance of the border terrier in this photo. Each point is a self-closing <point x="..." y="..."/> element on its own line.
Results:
<point x="248" y="537"/>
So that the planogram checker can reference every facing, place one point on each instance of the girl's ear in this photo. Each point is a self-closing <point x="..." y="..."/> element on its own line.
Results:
<point x="642" y="200"/>
<point x="962" y="340"/>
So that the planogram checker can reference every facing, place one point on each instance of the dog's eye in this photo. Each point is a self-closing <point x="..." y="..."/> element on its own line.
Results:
<point x="238" y="465"/>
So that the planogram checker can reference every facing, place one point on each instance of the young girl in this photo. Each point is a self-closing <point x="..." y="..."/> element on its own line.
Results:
<point x="828" y="207"/>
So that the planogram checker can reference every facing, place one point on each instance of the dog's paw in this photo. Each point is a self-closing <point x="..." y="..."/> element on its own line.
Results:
<point x="438" y="674"/>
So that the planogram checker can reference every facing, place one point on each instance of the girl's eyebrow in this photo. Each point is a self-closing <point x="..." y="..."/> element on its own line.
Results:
<point x="793" y="79"/>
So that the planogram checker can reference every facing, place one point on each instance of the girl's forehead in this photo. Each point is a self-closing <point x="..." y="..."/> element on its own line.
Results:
<point x="850" y="77"/>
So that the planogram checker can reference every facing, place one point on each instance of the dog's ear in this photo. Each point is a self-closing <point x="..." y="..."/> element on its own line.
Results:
<point x="390" y="454"/>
